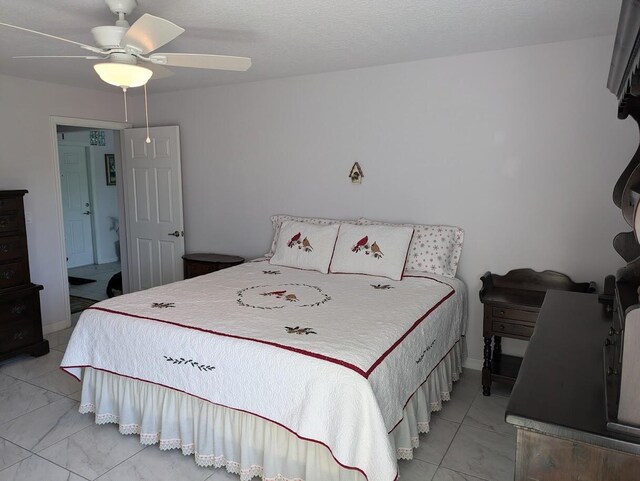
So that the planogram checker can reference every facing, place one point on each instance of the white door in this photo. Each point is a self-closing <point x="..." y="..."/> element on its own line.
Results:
<point x="153" y="193"/>
<point x="76" y="208"/>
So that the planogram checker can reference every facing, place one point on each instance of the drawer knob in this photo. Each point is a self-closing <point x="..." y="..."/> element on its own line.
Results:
<point x="8" y="274"/>
<point x="4" y="222"/>
<point x="18" y="309"/>
<point x="613" y="332"/>
<point x="501" y="327"/>
<point x="4" y="248"/>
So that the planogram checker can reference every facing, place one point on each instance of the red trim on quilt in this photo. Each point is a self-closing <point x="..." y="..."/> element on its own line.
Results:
<point x="422" y="384"/>
<point x="354" y="468"/>
<point x="295" y="349"/>
<point x="406" y="258"/>
<point x="431" y="278"/>
<point x="402" y="338"/>
<point x="234" y="336"/>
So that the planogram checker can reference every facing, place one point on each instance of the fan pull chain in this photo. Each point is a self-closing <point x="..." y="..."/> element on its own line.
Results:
<point x="146" y="114"/>
<point x="126" y="115"/>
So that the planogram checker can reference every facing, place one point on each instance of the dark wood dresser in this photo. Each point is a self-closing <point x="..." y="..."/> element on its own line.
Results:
<point x="20" y="319"/>
<point x="200" y="264"/>
<point x="511" y="306"/>
<point x="558" y="403"/>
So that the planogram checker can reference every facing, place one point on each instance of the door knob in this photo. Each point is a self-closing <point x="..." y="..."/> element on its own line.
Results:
<point x="87" y="212"/>
<point x="175" y="234"/>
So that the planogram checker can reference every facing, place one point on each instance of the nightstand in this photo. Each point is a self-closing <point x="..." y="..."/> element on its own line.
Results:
<point x="511" y="306"/>
<point x="200" y="264"/>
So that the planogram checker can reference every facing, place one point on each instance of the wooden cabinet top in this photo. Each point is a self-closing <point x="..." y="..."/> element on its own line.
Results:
<point x="560" y="388"/>
<point x="526" y="287"/>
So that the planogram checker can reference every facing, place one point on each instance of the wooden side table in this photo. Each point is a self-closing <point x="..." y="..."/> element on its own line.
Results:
<point x="511" y="306"/>
<point x="200" y="264"/>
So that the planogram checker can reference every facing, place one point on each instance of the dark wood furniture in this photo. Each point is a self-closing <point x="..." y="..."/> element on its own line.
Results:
<point x="558" y="401"/>
<point x="20" y="320"/>
<point x="199" y="264"/>
<point x="622" y="353"/>
<point x="511" y="306"/>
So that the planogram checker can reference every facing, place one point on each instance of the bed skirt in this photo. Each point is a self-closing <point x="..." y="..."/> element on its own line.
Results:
<point x="242" y="443"/>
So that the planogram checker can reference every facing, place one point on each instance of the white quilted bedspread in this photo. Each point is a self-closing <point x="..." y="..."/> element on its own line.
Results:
<point x="333" y="358"/>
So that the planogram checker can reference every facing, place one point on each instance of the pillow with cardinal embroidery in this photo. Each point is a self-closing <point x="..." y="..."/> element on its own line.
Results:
<point x="305" y="246"/>
<point x="377" y="250"/>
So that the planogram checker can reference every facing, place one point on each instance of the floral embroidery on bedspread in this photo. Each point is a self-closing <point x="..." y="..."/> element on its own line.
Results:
<point x="189" y="362"/>
<point x="382" y="287"/>
<point x="428" y="348"/>
<point x="279" y="296"/>
<point x="300" y="330"/>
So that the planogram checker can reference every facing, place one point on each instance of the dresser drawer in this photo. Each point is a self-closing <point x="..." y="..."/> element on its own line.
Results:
<point x="16" y="307"/>
<point x="13" y="274"/>
<point x="12" y="248"/>
<point x="511" y="328"/>
<point x="20" y="323"/>
<point x="10" y="223"/>
<point x="18" y="334"/>
<point x="9" y="205"/>
<point x="517" y="314"/>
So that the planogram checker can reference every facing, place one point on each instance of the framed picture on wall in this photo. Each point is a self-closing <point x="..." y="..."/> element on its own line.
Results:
<point x="110" y="167"/>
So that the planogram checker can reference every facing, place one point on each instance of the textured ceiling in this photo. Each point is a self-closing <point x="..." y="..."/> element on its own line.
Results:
<point x="295" y="37"/>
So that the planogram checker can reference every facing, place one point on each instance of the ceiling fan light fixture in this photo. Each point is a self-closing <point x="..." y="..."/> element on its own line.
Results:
<point x="123" y="75"/>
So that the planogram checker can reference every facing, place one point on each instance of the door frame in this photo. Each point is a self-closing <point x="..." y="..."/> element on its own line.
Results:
<point x="54" y="121"/>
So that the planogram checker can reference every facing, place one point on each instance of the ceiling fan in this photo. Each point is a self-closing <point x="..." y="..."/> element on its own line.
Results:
<point x="127" y="49"/>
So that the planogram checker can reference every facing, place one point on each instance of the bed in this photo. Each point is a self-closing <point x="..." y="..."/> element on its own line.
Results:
<point x="274" y="371"/>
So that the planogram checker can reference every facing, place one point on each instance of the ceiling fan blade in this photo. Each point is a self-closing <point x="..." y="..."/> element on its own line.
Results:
<point x="82" y="45"/>
<point x="149" y="33"/>
<point x="159" y="71"/>
<point x="94" y="57"/>
<point x="200" y="60"/>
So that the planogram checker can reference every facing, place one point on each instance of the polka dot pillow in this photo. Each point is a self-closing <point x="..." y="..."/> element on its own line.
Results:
<point x="434" y="249"/>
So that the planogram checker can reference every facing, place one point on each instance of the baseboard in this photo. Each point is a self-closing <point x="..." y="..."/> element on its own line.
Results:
<point x="471" y="363"/>
<point x="55" y="326"/>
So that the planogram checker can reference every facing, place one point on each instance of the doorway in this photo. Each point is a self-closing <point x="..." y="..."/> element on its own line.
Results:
<point x="91" y="213"/>
<point x="148" y="196"/>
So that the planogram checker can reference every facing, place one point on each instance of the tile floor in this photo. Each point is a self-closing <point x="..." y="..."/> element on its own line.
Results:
<point x="43" y="437"/>
<point x="94" y="290"/>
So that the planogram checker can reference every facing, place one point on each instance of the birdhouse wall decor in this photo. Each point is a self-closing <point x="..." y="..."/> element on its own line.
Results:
<point x="356" y="174"/>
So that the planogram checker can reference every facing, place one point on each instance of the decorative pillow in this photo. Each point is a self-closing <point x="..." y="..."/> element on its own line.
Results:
<point x="277" y="220"/>
<point x="377" y="250"/>
<point x="434" y="249"/>
<point x="305" y="246"/>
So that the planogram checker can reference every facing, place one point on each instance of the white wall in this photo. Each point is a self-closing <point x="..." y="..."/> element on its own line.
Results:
<point x="519" y="147"/>
<point x="26" y="162"/>
<point x="105" y="205"/>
